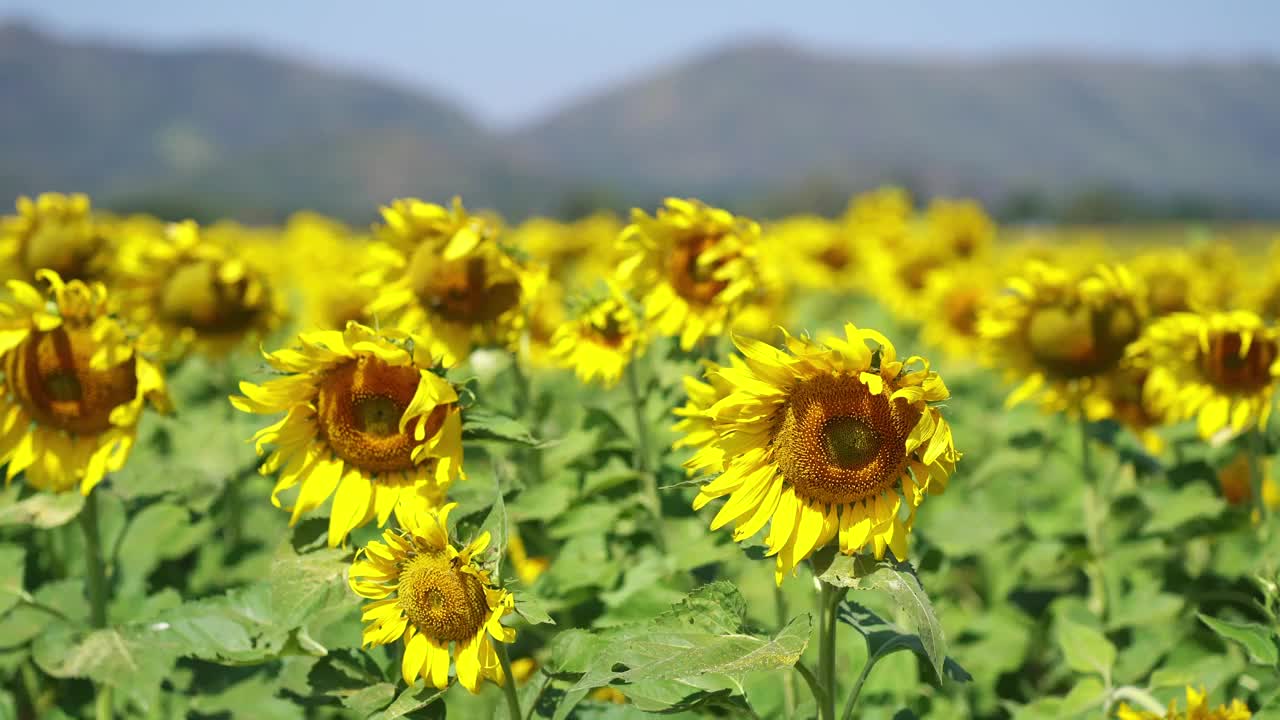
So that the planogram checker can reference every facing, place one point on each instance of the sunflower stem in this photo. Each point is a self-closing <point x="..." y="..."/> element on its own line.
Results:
<point x="829" y="600"/>
<point x="531" y="457"/>
<point x="642" y="454"/>
<point x="788" y="681"/>
<point x="1094" y="508"/>
<point x="1257" y="479"/>
<point x="96" y="577"/>
<point x="815" y="686"/>
<point x="852" y="700"/>
<point x="509" y="687"/>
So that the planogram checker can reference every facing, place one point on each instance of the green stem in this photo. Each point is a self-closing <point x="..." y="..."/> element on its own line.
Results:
<point x="828" y="600"/>
<point x="1257" y="479"/>
<point x="96" y="575"/>
<point x="1136" y="695"/>
<point x="1094" y="512"/>
<point x="647" y="477"/>
<point x="857" y="686"/>
<point x="788" y="681"/>
<point x="532" y="457"/>
<point x="815" y="686"/>
<point x="509" y="687"/>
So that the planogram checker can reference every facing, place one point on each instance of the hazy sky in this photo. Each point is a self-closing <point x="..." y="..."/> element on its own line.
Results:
<point x="510" y="62"/>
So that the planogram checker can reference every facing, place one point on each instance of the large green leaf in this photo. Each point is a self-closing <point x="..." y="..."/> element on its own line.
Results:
<point x="884" y="638"/>
<point x="1258" y="640"/>
<point x="699" y="648"/>
<point x="483" y="425"/>
<point x="13" y="561"/>
<point x="1085" y="648"/>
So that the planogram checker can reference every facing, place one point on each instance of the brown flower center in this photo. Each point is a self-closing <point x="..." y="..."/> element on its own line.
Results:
<point x="1080" y="341"/>
<point x="358" y="411"/>
<point x="1226" y="367"/>
<point x="836" y="442"/>
<point x="915" y="273"/>
<point x="461" y="291"/>
<point x="50" y="376"/>
<point x="836" y="256"/>
<point x="441" y="601"/>
<point x="610" y="334"/>
<point x="1168" y="293"/>
<point x="195" y="297"/>
<point x="960" y="307"/>
<point x="695" y="281"/>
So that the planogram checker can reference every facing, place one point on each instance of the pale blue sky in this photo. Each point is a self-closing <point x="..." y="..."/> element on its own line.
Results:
<point x="511" y="62"/>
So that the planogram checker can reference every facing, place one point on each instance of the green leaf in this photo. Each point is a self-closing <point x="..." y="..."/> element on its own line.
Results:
<point x="532" y="610"/>
<point x="883" y="638"/>
<point x="1258" y="640"/>
<point x="700" y="646"/>
<point x="1086" y="650"/>
<point x="899" y="581"/>
<point x="13" y="561"/>
<point x="412" y="700"/>
<point x="118" y="657"/>
<point x="1171" y="508"/>
<point x="483" y="425"/>
<point x="43" y="510"/>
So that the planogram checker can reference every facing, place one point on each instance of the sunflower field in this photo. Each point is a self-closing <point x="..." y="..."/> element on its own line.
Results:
<point x="897" y="464"/>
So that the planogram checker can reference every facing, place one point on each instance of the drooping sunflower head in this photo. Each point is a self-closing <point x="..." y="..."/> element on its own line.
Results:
<point x="200" y="290"/>
<point x="1064" y="333"/>
<point x="1217" y="367"/>
<point x="600" y="338"/>
<point x="454" y="283"/>
<point x="822" y="442"/>
<point x="434" y="596"/>
<point x="368" y="420"/>
<point x="1198" y="708"/>
<point x="693" y="267"/>
<point x="75" y="384"/>
<point x="960" y="228"/>
<point x="56" y="232"/>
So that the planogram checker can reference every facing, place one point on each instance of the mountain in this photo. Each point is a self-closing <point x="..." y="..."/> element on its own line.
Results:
<point x="249" y="130"/>
<point x="238" y="132"/>
<point x="748" y="118"/>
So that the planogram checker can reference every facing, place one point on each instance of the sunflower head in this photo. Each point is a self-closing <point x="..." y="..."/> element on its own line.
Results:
<point x="1198" y="708"/>
<point x="582" y="248"/>
<point x="199" y="289"/>
<point x="960" y="228"/>
<point x="56" y="232"/>
<point x="601" y="337"/>
<point x="822" y="442"/>
<point x="75" y="384"/>
<point x="813" y="252"/>
<point x="693" y="267"/>
<point x="1218" y="367"/>
<point x="368" y="420"/>
<point x="879" y="219"/>
<point x="955" y="299"/>
<point x="1064" y="333"/>
<point x="453" y="283"/>
<point x="435" y="597"/>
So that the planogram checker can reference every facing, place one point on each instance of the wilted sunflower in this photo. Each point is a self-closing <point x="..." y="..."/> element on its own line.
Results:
<point x="453" y="283"/>
<point x="433" y="595"/>
<point x="1064" y="334"/>
<point x="693" y="267"/>
<point x="600" y="338"/>
<point x="368" y="421"/>
<point x="1197" y="709"/>
<point x="56" y="232"/>
<point x="201" y="291"/>
<point x="825" y="442"/>
<point x="74" y="385"/>
<point x="1218" y="367"/>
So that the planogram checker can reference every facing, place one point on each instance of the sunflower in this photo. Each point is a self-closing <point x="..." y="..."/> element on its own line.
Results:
<point x="959" y="228"/>
<point x="582" y="248"/>
<point x="528" y="569"/>
<point x="600" y="339"/>
<point x="693" y="266"/>
<point x="879" y="219"/>
<point x="1064" y="334"/>
<point x="1131" y="406"/>
<point x="1237" y="485"/>
<point x="825" y="441"/>
<point x="330" y="264"/>
<point x="1197" y="709"/>
<point x="696" y="424"/>
<point x="56" y="232"/>
<point x="546" y="315"/>
<point x="1175" y="281"/>
<point x="368" y="421"/>
<point x="1218" y="367"/>
<point x="452" y="282"/>
<point x="74" y="385"/>
<point x="813" y="251"/>
<point x="955" y="298"/>
<point x="199" y="289"/>
<point x="433" y="595"/>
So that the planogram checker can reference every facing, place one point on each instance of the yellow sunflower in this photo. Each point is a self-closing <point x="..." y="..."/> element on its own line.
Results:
<point x="1175" y="281"/>
<point x="1064" y="334"/>
<point x="600" y="339"/>
<point x="1237" y="485"/>
<point x="825" y="441"/>
<point x="696" y="424"/>
<point x="201" y="291"/>
<point x="367" y="421"/>
<point x="330" y="265"/>
<point x="584" y="248"/>
<point x="1197" y="709"/>
<point x="960" y="228"/>
<point x="1218" y="367"/>
<point x="813" y="252"/>
<point x="879" y="219"/>
<point x="528" y="569"/>
<point x="453" y="283"/>
<point x="1131" y="406"/>
<point x="545" y="316"/>
<point x="955" y="298"/>
<point x="56" y="232"/>
<point x="693" y="266"/>
<point x="433" y="595"/>
<point x="75" y="385"/>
